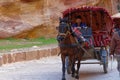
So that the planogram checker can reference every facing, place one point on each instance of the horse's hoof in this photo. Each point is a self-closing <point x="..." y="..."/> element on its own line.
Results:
<point x="63" y="79"/>
<point x="77" y="77"/>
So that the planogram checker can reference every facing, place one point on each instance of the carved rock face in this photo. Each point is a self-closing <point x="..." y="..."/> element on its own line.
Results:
<point x="26" y="16"/>
<point x="27" y="1"/>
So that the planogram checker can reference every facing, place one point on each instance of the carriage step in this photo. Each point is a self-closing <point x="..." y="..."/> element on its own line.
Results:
<point x="91" y="62"/>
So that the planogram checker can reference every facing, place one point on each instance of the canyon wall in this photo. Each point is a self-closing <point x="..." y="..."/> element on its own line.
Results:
<point x="38" y="18"/>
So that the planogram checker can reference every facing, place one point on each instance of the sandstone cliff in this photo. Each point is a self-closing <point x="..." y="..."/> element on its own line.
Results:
<point x="36" y="18"/>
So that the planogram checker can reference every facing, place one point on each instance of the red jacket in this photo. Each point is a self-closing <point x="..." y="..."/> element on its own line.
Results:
<point x="115" y="44"/>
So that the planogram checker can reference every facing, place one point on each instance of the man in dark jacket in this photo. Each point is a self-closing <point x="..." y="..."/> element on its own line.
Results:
<point x="115" y="47"/>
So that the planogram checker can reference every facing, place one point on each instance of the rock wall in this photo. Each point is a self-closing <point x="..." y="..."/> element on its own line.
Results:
<point x="36" y="18"/>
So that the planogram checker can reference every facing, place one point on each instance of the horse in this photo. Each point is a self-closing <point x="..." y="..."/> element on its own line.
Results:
<point x="70" y="48"/>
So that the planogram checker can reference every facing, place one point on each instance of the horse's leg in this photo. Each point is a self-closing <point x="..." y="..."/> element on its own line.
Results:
<point x="63" y="67"/>
<point x="73" y="68"/>
<point x="77" y="71"/>
<point x="78" y="65"/>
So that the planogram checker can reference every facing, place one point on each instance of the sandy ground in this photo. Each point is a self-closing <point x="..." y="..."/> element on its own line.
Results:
<point x="50" y="69"/>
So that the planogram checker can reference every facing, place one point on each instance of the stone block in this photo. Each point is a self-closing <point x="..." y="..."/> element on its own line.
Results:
<point x="20" y="56"/>
<point x="1" y="61"/>
<point x="44" y="53"/>
<point x="5" y="58"/>
<point x="11" y="58"/>
<point x="53" y="51"/>
<point x="32" y="55"/>
<point x="58" y="50"/>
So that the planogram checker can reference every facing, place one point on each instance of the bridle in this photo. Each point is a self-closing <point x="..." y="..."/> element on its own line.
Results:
<point x="64" y="30"/>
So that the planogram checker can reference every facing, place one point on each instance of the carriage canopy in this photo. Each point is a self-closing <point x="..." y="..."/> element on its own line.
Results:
<point x="96" y="18"/>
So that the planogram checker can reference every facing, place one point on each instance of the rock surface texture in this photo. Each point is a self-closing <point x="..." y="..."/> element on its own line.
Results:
<point x="36" y="18"/>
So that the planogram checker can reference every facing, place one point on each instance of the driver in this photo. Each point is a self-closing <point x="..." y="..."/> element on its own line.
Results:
<point x="76" y="27"/>
<point x="82" y="31"/>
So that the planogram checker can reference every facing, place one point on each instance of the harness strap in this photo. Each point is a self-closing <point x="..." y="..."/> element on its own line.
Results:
<point x="85" y="51"/>
<point x="68" y="45"/>
<point x="82" y="47"/>
<point x="62" y="34"/>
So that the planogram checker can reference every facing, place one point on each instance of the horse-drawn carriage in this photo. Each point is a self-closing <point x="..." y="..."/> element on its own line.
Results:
<point x="100" y="23"/>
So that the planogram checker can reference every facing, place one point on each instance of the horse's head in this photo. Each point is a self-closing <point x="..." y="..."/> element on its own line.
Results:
<point x="63" y="29"/>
